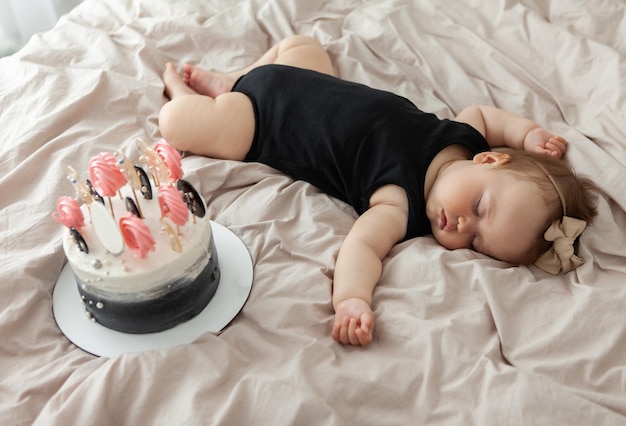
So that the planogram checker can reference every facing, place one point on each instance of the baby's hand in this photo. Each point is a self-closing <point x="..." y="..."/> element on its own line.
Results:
<point x="354" y="322"/>
<point x="541" y="141"/>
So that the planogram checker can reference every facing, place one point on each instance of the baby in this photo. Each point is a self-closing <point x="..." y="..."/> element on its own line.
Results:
<point x="406" y="172"/>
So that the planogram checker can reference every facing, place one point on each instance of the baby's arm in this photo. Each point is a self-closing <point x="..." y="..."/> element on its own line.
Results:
<point x="359" y="264"/>
<point x="502" y="128"/>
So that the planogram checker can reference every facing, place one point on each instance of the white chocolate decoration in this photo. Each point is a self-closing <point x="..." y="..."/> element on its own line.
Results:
<point x="106" y="229"/>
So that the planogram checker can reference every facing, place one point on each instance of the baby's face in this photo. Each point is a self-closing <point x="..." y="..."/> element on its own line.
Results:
<point x="482" y="207"/>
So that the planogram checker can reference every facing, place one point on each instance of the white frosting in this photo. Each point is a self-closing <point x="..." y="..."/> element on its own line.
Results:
<point x="127" y="278"/>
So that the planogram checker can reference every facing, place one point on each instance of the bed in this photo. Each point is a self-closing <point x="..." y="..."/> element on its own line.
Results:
<point x="460" y="338"/>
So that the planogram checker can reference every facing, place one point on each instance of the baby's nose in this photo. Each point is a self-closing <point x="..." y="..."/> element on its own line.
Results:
<point x="464" y="226"/>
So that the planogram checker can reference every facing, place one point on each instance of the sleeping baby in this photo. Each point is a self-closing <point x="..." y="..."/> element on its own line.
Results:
<point x="406" y="172"/>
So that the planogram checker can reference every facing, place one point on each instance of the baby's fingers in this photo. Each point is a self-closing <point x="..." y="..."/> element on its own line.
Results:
<point x="557" y="144"/>
<point x="346" y="332"/>
<point x="340" y="330"/>
<point x="365" y="332"/>
<point x="364" y="338"/>
<point x="353" y="327"/>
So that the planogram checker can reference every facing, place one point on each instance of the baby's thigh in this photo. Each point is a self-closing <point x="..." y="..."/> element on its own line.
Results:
<point x="234" y="116"/>
<point x="219" y="128"/>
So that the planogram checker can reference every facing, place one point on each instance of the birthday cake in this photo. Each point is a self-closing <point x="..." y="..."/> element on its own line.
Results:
<point x="139" y="241"/>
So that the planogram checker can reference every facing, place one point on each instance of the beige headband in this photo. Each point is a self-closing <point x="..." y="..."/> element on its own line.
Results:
<point x="562" y="233"/>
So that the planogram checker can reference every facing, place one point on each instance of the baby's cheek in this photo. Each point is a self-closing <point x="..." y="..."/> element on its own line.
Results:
<point x="449" y="241"/>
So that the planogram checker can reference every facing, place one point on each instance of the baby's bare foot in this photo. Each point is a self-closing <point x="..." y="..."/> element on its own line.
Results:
<point x="207" y="83"/>
<point x="174" y="84"/>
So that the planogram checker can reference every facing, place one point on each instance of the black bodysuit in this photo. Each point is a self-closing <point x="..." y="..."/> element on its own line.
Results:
<point x="346" y="138"/>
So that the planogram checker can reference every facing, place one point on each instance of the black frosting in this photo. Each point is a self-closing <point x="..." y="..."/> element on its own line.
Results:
<point x="149" y="316"/>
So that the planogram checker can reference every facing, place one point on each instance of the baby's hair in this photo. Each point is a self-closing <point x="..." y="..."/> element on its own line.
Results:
<point x="579" y="193"/>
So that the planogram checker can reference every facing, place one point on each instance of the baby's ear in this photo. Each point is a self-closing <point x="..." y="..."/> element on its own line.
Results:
<point x="492" y="157"/>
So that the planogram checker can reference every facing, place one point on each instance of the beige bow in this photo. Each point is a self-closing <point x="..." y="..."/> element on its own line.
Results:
<point x="561" y="256"/>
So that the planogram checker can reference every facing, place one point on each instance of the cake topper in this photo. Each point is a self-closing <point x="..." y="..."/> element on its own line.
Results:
<point x="69" y="213"/>
<point x="130" y="173"/>
<point x="172" y="205"/>
<point x="83" y="191"/>
<point x="146" y="187"/>
<point x="172" y="238"/>
<point x="105" y="176"/>
<point x="152" y="161"/>
<point x="136" y="234"/>
<point x="191" y="198"/>
<point x="79" y="240"/>
<point x="171" y="158"/>
<point x="94" y="194"/>
<point x="106" y="229"/>
<point x="109" y="173"/>
<point x="131" y="207"/>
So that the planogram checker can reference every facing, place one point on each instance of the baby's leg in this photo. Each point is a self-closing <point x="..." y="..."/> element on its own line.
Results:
<point x="221" y="124"/>
<point x="219" y="128"/>
<point x="297" y="51"/>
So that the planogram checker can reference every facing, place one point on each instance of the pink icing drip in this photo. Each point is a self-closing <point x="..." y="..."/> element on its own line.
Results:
<point x="172" y="205"/>
<point x="137" y="235"/>
<point x="69" y="213"/>
<point x="171" y="158"/>
<point x="105" y="175"/>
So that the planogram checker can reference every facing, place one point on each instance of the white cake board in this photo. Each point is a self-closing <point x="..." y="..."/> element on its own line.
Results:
<point x="232" y="293"/>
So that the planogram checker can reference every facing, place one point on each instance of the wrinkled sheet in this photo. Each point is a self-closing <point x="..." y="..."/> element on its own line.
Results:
<point x="460" y="338"/>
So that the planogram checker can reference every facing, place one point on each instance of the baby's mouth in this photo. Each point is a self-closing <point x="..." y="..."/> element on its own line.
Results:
<point x="443" y="220"/>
